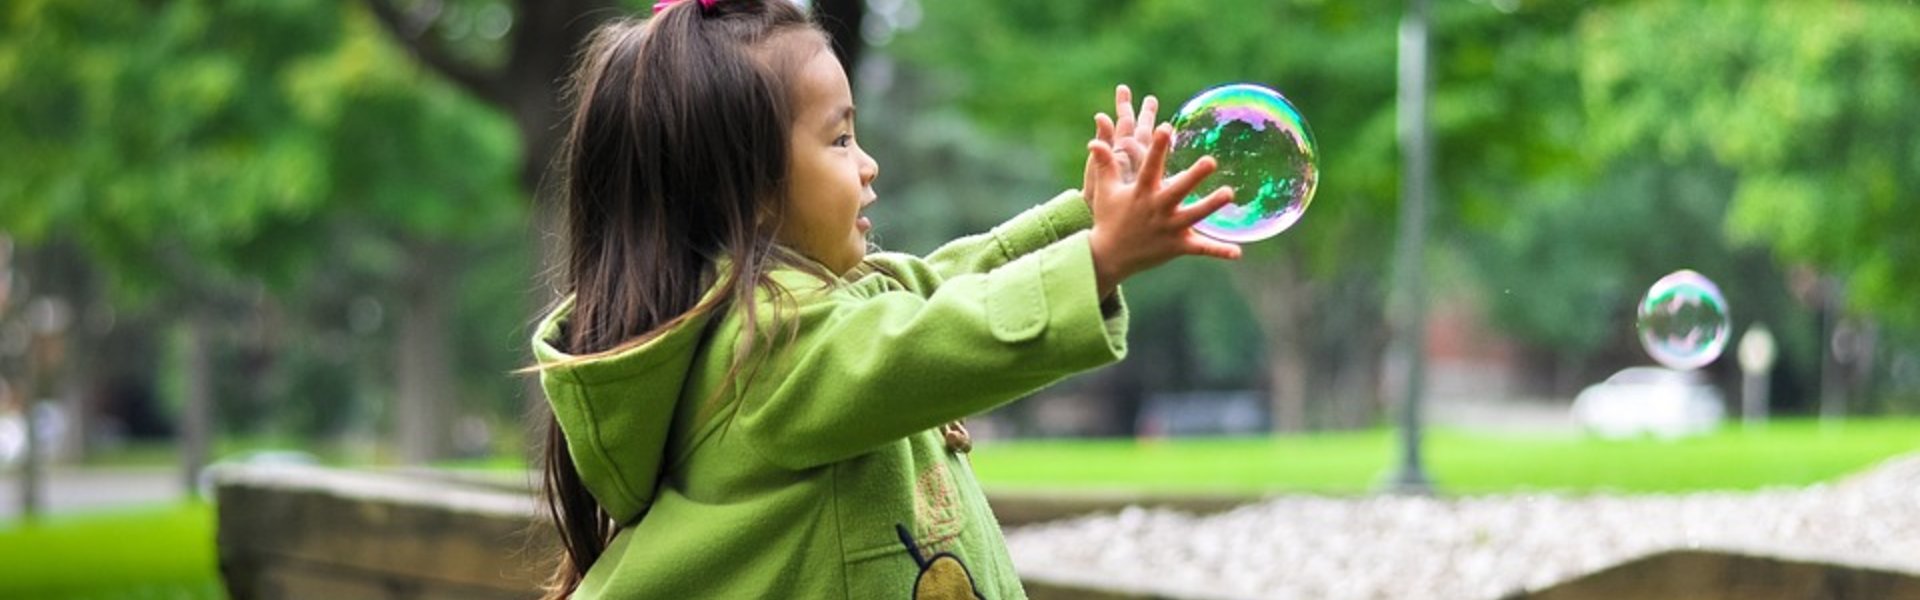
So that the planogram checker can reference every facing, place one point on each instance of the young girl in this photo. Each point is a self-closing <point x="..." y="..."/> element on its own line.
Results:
<point x="748" y="405"/>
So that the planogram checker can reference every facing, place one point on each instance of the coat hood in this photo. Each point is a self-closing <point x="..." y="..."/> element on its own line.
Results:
<point x="615" y="410"/>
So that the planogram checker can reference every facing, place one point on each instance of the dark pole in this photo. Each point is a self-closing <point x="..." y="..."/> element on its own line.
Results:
<point x="1406" y="363"/>
<point x="196" y="416"/>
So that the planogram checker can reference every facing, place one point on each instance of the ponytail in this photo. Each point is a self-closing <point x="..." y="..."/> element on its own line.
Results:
<point x="584" y="528"/>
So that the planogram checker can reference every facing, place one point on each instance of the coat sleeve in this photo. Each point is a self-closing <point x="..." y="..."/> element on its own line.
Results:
<point x="1027" y="232"/>
<point x="862" y="372"/>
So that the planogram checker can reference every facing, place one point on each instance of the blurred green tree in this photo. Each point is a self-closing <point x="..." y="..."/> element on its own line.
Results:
<point x="1802" y="106"/>
<point x="197" y="151"/>
<point x="1804" y="103"/>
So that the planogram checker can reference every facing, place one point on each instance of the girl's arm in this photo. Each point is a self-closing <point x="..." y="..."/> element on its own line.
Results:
<point x="862" y="372"/>
<point x="1026" y="232"/>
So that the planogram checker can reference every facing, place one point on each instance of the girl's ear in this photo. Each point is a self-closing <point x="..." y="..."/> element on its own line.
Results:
<point x="767" y="217"/>
<point x="769" y="212"/>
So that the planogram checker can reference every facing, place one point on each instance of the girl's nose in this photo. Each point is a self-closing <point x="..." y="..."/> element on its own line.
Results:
<point x="869" y="168"/>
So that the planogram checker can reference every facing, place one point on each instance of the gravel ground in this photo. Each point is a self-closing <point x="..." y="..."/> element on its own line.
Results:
<point x="1469" y="548"/>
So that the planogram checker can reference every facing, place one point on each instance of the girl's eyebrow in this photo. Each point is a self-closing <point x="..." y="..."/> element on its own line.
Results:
<point x="844" y="114"/>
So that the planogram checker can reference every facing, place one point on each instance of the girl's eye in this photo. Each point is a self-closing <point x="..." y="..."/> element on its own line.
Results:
<point x="844" y="140"/>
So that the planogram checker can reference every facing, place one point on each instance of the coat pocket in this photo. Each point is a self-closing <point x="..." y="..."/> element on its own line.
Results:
<point x="1017" y="301"/>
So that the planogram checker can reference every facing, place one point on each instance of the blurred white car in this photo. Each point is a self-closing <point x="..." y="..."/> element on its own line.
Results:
<point x="1649" y="401"/>
<point x="50" y="426"/>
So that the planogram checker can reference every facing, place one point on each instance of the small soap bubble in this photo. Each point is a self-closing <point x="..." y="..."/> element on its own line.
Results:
<point x="1683" y="321"/>
<point x="1265" y="153"/>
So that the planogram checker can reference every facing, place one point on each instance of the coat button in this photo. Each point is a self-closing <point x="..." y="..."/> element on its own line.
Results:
<point x="957" y="438"/>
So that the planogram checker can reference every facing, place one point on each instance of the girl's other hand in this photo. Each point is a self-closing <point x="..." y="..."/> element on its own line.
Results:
<point x="1139" y="224"/>
<point x="1130" y="136"/>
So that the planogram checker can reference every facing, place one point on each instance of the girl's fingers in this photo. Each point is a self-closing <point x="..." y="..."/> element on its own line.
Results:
<point x="1104" y="152"/>
<point x="1186" y="216"/>
<point x="1145" y="125"/>
<point x="1133" y="148"/>
<point x="1100" y="159"/>
<point x="1205" y="246"/>
<point x="1155" y="166"/>
<point x="1185" y="182"/>
<point x="1103" y="128"/>
<point x="1123" y="102"/>
<point x="1130" y="151"/>
<point x="1086" y="179"/>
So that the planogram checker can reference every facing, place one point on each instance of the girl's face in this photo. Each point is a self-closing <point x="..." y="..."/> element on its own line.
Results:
<point x="830" y="179"/>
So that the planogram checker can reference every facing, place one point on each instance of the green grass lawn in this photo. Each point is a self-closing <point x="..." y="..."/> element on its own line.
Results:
<point x="1782" y="454"/>
<point x="159" y="553"/>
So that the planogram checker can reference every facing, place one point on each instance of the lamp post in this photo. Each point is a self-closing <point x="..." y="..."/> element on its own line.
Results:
<point x="1406" y="307"/>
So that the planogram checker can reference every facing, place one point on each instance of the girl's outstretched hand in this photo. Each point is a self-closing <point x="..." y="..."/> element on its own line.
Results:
<point x="1138" y="223"/>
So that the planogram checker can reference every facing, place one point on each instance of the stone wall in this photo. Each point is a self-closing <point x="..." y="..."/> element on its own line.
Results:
<point x="299" y="533"/>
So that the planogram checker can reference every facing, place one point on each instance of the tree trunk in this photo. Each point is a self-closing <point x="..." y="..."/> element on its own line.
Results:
<point x="1287" y="370"/>
<point x="1282" y="304"/>
<point x="30" y="463"/>
<point x="547" y="33"/>
<point x="423" y="419"/>
<point x="1357" y="386"/>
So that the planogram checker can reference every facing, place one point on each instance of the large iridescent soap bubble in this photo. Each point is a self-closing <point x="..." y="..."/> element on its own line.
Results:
<point x="1683" y="321"/>
<point x="1265" y="152"/>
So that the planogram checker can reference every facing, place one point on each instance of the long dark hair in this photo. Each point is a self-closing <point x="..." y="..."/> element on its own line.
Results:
<point x="676" y="155"/>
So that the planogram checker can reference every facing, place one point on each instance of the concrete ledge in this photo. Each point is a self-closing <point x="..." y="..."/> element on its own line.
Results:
<point x="297" y="532"/>
<point x="1718" y="575"/>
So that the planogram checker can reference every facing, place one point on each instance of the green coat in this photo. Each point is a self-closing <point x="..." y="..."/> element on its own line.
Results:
<point x="807" y="481"/>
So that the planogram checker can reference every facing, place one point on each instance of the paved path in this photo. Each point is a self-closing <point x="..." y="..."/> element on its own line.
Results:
<point x="1509" y="416"/>
<point x="82" y="489"/>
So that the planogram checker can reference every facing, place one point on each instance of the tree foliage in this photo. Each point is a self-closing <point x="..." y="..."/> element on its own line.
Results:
<point x="188" y="141"/>
<point x="259" y="169"/>
<point x="148" y="142"/>
<point x="1807" y="104"/>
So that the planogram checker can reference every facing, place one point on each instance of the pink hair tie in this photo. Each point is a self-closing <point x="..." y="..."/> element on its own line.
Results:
<point x="663" y="4"/>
